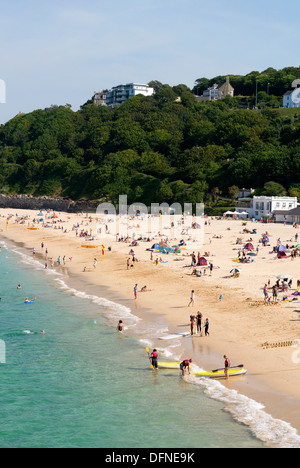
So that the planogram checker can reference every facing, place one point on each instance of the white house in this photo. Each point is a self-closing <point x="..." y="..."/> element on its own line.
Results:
<point x="265" y="207"/>
<point x="119" y="94"/>
<point x="292" y="98"/>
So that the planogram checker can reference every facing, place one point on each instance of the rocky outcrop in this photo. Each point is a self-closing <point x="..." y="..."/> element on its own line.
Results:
<point x="27" y="202"/>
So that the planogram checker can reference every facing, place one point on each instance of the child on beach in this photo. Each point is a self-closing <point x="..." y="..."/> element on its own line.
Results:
<point x="206" y="327"/>
<point x="192" y="320"/>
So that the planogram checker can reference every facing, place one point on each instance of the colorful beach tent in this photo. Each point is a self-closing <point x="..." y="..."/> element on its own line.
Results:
<point x="249" y="246"/>
<point x="281" y="255"/>
<point x="155" y="247"/>
<point x="202" y="261"/>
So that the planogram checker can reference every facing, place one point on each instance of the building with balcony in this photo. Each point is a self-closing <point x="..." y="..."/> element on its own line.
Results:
<point x="119" y="94"/>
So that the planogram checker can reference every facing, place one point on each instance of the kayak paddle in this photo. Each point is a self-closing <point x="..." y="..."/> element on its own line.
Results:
<point x="147" y="349"/>
<point x="231" y="367"/>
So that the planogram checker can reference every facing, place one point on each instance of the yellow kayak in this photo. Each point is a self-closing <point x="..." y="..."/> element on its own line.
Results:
<point x="169" y="365"/>
<point x="221" y="374"/>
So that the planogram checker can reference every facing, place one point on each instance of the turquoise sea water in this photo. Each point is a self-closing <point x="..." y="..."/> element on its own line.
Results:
<point x="81" y="384"/>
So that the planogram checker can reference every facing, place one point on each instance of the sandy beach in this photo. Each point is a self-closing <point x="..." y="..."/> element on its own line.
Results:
<point x="249" y="330"/>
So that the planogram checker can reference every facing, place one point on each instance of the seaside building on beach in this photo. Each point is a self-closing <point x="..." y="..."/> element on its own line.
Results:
<point x="264" y="207"/>
<point x="288" y="216"/>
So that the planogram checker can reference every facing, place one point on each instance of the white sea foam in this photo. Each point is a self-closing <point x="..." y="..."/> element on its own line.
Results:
<point x="115" y="310"/>
<point x="274" y="432"/>
<point x="35" y="263"/>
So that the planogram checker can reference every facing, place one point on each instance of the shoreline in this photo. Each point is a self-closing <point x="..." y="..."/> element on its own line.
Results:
<point x="273" y="390"/>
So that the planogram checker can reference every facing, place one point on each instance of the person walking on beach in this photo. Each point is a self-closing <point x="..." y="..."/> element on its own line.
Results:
<point x="227" y="366"/>
<point x="135" y="291"/>
<point x="185" y="365"/>
<point x="206" y="327"/>
<point x="192" y="300"/>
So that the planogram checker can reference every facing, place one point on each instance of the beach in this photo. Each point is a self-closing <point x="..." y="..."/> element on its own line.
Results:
<point x="259" y="334"/>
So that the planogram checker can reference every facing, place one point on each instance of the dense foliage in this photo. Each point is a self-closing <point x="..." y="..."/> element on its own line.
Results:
<point x="153" y="149"/>
<point x="256" y="88"/>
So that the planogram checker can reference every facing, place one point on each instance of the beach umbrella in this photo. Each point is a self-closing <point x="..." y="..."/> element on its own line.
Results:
<point x="284" y="277"/>
<point x="235" y="271"/>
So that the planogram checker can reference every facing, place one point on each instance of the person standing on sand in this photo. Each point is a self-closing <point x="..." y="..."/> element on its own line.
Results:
<point x="266" y="294"/>
<point x="192" y="300"/>
<point x="275" y="293"/>
<point x="227" y="366"/>
<point x="199" y="322"/>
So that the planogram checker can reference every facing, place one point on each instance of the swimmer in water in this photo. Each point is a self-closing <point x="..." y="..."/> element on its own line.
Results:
<point x="28" y="301"/>
<point x="120" y="326"/>
<point x="19" y="286"/>
<point x="28" y="332"/>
